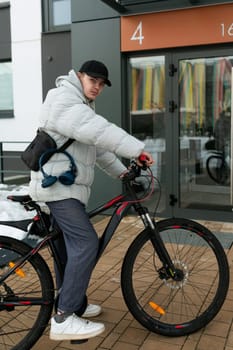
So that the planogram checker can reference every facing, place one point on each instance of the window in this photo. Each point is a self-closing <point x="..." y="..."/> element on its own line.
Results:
<point x="6" y="90"/>
<point x="61" y="12"/>
<point x="56" y="15"/>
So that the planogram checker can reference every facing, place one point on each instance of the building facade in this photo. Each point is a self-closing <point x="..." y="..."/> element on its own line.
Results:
<point x="171" y="67"/>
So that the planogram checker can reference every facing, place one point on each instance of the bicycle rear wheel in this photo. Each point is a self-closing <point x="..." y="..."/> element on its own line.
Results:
<point x="26" y="296"/>
<point x="166" y="306"/>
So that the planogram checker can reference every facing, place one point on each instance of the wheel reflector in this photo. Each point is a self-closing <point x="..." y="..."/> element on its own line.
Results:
<point x="17" y="271"/>
<point x="157" y="308"/>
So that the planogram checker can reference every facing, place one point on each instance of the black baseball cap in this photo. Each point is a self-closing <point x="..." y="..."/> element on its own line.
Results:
<point x="96" y="69"/>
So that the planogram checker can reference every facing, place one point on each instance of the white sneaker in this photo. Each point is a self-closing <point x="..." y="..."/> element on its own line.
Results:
<point x="92" y="310"/>
<point x="74" y="328"/>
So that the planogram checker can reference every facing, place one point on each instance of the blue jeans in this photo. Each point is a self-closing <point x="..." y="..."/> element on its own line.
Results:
<point x="77" y="249"/>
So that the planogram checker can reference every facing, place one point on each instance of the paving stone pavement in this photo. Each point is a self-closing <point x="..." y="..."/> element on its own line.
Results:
<point x="122" y="331"/>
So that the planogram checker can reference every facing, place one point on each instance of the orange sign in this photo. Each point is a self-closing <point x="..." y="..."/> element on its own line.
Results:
<point x="196" y="26"/>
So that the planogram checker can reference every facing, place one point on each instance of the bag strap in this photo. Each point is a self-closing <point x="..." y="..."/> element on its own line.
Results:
<point x="63" y="147"/>
<point x="66" y="144"/>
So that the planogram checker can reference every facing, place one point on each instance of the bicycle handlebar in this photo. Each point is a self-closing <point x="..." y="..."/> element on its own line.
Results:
<point x="134" y="170"/>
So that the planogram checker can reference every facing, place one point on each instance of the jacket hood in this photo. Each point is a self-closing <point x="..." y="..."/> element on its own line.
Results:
<point x="72" y="78"/>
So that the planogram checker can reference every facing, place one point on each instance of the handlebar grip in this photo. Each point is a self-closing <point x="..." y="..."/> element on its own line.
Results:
<point x="142" y="158"/>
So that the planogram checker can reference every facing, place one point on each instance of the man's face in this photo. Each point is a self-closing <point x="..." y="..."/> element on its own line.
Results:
<point x="92" y="87"/>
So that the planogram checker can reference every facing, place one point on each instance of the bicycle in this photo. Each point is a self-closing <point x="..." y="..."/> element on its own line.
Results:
<point x="174" y="276"/>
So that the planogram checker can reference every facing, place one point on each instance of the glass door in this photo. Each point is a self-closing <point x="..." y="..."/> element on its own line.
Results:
<point x="180" y="107"/>
<point x="204" y="113"/>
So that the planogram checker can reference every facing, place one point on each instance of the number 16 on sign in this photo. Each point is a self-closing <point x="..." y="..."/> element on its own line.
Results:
<point x="137" y="35"/>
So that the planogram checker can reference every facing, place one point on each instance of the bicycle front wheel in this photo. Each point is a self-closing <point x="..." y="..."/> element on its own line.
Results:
<point x="175" y="307"/>
<point x="26" y="296"/>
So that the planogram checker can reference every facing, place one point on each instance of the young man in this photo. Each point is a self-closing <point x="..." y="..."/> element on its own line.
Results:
<point x="68" y="112"/>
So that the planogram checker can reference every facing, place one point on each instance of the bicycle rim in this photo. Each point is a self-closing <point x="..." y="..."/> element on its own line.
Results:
<point x="169" y="307"/>
<point x="26" y="297"/>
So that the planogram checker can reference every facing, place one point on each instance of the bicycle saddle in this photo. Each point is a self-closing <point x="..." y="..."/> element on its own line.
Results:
<point x="20" y="198"/>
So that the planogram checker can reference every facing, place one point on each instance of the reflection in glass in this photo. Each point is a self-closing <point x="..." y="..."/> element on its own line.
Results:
<point x="205" y="132"/>
<point x="147" y="107"/>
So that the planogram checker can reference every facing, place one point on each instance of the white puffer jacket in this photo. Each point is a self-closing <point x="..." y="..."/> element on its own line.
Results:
<point x="66" y="114"/>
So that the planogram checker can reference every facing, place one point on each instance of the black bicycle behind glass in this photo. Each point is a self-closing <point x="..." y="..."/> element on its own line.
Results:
<point x="218" y="163"/>
<point x="218" y="168"/>
<point x="174" y="278"/>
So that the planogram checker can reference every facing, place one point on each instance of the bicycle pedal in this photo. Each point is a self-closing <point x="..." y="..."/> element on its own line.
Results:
<point x="80" y="341"/>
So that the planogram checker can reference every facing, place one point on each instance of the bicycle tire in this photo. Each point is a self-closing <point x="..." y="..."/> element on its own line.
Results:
<point x="21" y="325"/>
<point x="218" y="170"/>
<point x="188" y="304"/>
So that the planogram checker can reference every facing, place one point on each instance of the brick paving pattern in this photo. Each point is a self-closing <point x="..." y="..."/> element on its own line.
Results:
<point x="122" y="331"/>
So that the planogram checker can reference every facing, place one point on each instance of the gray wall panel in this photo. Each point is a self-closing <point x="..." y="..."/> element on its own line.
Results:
<point x="100" y="40"/>
<point x="56" y="57"/>
<point x="83" y="10"/>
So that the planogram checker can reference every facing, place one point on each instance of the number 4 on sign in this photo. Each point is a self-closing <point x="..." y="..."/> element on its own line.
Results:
<point x="137" y="35"/>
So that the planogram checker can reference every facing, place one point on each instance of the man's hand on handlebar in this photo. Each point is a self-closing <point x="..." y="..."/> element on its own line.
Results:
<point x="142" y="162"/>
<point x="145" y="159"/>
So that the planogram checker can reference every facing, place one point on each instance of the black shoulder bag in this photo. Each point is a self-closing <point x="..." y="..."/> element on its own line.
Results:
<point x="39" y="145"/>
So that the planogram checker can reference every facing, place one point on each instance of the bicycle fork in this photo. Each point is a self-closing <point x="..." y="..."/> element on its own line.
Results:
<point x="168" y="269"/>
